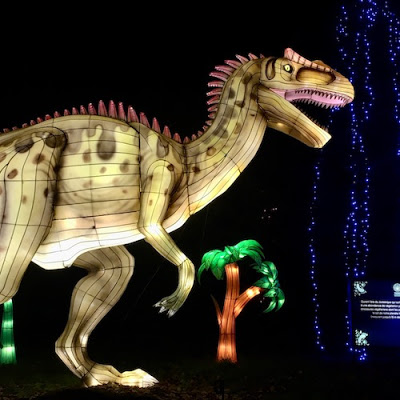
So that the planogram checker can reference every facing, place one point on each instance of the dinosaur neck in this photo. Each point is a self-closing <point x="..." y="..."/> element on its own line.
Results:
<point x="216" y="159"/>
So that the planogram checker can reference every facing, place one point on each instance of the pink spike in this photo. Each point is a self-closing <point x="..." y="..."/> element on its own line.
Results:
<point x="262" y="56"/>
<point x="66" y="112"/>
<point x="25" y="125"/>
<point x="47" y="117"/>
<point x="194" y="137"/>
<point x="216" y="84"/>
<point x="75" y="111"/>
<point x="121" y="111"/>
<point x="242" y="59"/>
<point x="213" y="108"/>
<point x="15" y="128"/>
<point x="166" y="131"/>
<point x="205" y="127"/>
<point x="288" y="53"/>
<point x="57" y="114"/>
<point x="32" y="122"/>
<point x="233" y="63"/>
<point x="132" y="116"/>
<point x="156" y="126"/>
<point x="144" y="120"/>
<point x="211" y="116"/>
<point x="102" y="109"/>
<point x="39" y="120"/>
<point x="199" y="133"/>
<point x="252" y="56"/>
<point x="213" y="100"/>
<point x="225" y="68"/>
<point x="219" y="75"/>
<point x="92" y="109"/>
<point x="177" y="138"/>
<point x="82" y="110"/>
<point x="112" y="110"/>
<point x="209" y="122"/>
<point x="186" y="140"/>
<point x="6" y="130"/>
<point x="214" y="92"/>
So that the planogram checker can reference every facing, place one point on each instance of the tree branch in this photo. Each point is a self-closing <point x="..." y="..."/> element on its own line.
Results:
<point x="217" y="309"/>
<point x="245" y="297"/>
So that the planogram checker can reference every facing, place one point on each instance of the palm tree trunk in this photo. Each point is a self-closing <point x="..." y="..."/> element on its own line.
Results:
<point x="227" y="329"/>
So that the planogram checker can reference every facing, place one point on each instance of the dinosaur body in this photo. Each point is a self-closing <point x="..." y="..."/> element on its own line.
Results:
<point x="75" y="188"/>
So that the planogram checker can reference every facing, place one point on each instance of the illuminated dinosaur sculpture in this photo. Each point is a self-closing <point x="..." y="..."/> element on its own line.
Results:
<point x="74" y="189"/>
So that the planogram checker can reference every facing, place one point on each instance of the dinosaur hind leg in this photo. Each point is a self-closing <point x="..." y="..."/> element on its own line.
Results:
<point x="27" y="187"/>
<point x="109" y="271"/>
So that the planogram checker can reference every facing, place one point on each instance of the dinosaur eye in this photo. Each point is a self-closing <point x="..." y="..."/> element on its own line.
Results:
<point x="288" y="68"/>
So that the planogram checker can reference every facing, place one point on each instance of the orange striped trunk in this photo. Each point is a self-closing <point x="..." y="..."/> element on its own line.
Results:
<point x="227" y="331"/>
<point x="233" y="305"/>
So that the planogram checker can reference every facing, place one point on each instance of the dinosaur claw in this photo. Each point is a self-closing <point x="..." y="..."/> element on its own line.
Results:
<point x="171" y="313"/>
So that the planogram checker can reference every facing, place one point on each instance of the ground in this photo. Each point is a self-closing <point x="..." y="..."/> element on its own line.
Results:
<point x="194" y="379"/>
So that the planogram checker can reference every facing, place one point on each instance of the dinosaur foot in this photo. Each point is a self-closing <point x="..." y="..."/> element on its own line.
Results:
<point x="103" y="374"/>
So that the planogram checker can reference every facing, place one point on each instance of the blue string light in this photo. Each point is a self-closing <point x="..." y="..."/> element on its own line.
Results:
<point x="355" y="34"/>
<point x="355" y="51"/>
<point x="313" y="257"/>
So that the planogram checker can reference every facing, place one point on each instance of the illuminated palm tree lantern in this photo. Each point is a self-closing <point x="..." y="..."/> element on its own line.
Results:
<point x="7" y="347"/>
<point x="226" y="261"/>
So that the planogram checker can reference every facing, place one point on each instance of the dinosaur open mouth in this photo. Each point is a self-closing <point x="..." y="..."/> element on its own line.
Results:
<point x="314" y="104"/>
<point x="318" y="114"/>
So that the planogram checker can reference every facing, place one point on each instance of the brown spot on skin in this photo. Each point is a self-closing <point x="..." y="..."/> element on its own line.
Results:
<point x="237" y="130"/>
<point x="54" y="141"/>
<point x="103" y="169"/>
<point x="87" y="156"/>
<point x="12" y="174"/>
<point x="46" y="192"/>
<point x="232" y="93"/>
<point x="2" y="156"/>
<point x="211" y="151"/>
<point x="196" y="170"/>
<point x="124" y="191"/>
<point x="106" y="145"/>
<point x="170" y="167"/>
<point x="75" y="194"/>
<point x="115" y="181"/>
<point x="24" y="199"/>
<point x="38" y="158"/>
<point x="87" y="184"/>
<point x="162" y="147"/>
<point x="150" y="202"/>
<point x="240" y="103"/>
<point x="24" y="145"/>
<point x="124" y="167"/>
<point x="246" y="78"/>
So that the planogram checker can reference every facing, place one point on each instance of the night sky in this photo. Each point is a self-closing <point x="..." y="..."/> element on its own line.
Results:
<point x="159" y="63"/>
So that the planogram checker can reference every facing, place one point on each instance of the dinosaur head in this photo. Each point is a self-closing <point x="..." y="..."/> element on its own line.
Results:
<point x="290" y="81"/>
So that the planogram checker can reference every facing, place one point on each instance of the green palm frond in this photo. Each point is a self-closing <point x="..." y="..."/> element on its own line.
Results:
<point x="250" y="248"/>
<point x="217" y="259"/>
<point x="214" y="260"/>
<point x="270" y="284"/>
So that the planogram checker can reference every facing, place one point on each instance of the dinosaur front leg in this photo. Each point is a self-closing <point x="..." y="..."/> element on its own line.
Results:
<point x="109" y="271"/>
<point x="153" y="208"/>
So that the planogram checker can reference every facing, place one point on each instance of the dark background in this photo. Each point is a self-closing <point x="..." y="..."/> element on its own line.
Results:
<point x="157" y="59"/>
